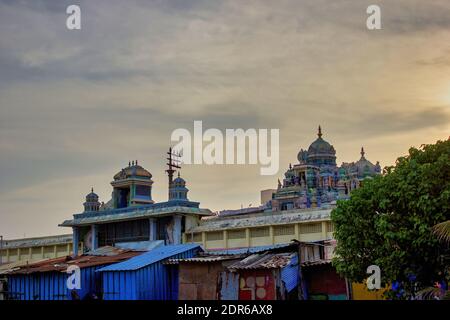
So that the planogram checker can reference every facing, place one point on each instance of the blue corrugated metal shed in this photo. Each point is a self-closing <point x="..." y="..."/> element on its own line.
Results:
<point x="150" y="257"/>
<point x="47" y="280"/>
<point x="51" y="285"/>
<point x="289" y="274"/>
<point x="145" y="277"/>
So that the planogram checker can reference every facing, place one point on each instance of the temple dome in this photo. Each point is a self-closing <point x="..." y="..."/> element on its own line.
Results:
<point x="92" y="196"/>
<point x="92" y="203"/>
<point x="133" y="170"/>
<point x="179" y="181"/>
<point x="321" y="153"/>
<point x="364" y="166"/>
<point x="178" y="190"/>
<point x="320" y="146"/>
<point x="302" y="156"/>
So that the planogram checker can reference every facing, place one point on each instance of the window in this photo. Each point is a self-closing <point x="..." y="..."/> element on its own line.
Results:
<point x="142" y="190"/>
<point x="311" y="228"/>
<point x="194" y="237"/>
<point x="236" y="234"/>
<point x="214" y="236"/>
<point x="284" y="230"/>
<point x="259" y="232"/>
<point x="330" y="227"/>
<point x="287" y="206"/>
<point x="126" y="231"/>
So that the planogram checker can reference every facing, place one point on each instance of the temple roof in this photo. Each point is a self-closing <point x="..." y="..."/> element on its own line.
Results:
<point x="320" y="146"/>
<point x="92" y="196"/>
<point x="134" y="170"/>
<point x="139" y="212"/>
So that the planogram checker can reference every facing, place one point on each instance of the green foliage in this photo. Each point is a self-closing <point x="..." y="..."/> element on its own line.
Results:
<point x="389" y="221"/>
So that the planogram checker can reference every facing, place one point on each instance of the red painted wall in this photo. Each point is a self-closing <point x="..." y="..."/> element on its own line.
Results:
<point x="257" y="285"/>
<point x="324" y="280"/>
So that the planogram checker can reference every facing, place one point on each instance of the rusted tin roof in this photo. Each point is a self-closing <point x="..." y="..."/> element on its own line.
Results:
<point x="204" y="259"/>
<point x="315" y="263"/>
<point x="84" y="261"/>
<point x="263" y="261"/>
<point x="249" y="250"/>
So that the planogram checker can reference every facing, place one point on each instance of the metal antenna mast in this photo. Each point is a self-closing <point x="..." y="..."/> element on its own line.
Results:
<point x="173" y="163"/>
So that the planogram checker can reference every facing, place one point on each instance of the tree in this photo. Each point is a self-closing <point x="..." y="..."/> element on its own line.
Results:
<point x="389" y="222"/>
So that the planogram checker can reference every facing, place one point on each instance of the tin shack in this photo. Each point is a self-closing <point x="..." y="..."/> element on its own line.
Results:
<point x="222" y="274"/>
<point x="48" y="280"/>
<point x="146" y="277"/>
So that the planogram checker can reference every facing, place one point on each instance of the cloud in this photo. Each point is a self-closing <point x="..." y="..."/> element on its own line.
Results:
<point x="76" y="106"/>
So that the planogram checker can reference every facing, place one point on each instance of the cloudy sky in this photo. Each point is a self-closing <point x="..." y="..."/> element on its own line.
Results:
<point x="76" y="106"/>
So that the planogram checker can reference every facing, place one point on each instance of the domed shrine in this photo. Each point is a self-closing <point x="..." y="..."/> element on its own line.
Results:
<point x="132" y="186"/>
<point x="316" y="180"/>
<point x="178" y="190"/>
<point x="92" y="203"/>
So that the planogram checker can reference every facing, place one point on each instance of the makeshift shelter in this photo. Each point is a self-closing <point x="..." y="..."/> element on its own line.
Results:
<point x="146" y="277"/>
<point x="47" y="280"/>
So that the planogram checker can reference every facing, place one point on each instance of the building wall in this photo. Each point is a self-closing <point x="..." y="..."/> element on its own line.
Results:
<point x="50" y="285"/>
<point x="261" y="235"/>
<point x="257" y="285"/>
<point x="198" y="281"/>
<point x="324" y="283"/>
<point x="36" y="253"/>
<point x="156" y="281"/>
<point x="361" y="292"/>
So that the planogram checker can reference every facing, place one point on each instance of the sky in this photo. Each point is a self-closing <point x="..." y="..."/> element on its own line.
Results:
<point x="77" y="105"/>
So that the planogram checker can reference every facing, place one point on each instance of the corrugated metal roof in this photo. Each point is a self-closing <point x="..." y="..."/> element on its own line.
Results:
<point x="264" y="261"/>
<point x="250" y="249"/>
<point x="84" y="261"/>
<point x="289" y="274"/>
<point x="204" y="259"/>
<point x="9" y="267"/>
<point x="145" y="259"/>
<point x="315" y="263"/>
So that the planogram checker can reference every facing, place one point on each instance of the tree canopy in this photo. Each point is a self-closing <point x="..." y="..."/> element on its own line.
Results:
<point x="389" y="222"/>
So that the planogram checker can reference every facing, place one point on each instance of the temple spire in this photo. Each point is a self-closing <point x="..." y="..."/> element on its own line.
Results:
<point x="362" y="152"/>
<point x="320" y="132"/>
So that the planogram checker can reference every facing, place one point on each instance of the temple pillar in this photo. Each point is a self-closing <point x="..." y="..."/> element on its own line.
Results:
<point x="75" y="240"/>
<point x="152" y="229"/>
<point x="94" y="234"/>
<point x="177" y="229"/>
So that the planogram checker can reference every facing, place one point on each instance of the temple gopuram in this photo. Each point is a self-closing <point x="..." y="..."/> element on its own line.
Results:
<point x="316" y="180"/>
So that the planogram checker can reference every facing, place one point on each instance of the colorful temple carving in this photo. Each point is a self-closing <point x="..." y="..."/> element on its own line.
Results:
<point x="316" y="180"/>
